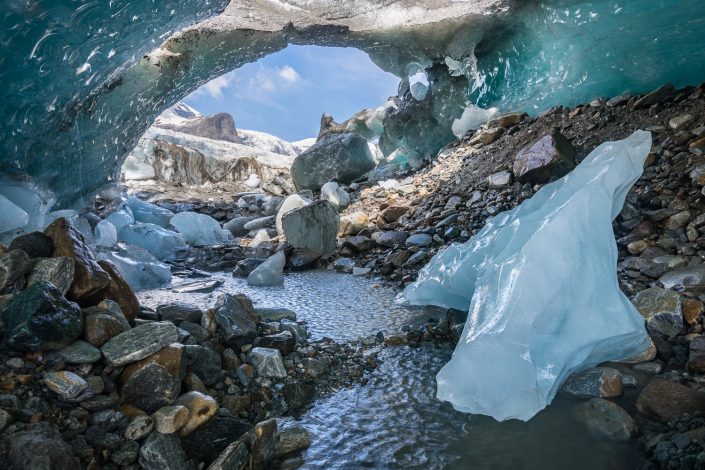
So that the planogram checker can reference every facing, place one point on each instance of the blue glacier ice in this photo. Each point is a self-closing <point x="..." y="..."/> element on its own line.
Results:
<point x="140" y="269"/>
<point x="147" y="212"/>
<point x="158" y="241"/>
<point x="199" y="229"/>
<point x="540" y="287"/>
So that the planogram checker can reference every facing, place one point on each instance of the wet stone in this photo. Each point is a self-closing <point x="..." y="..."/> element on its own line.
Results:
<point x="59" y="271"/>
<point x="689" y="279"/>
<point x="234" y="457"/>
<point x="291" y="439"/>
<point x="39" y="447"/>
<point x="204" y="362"/>
<point x="80" y="352"/>
<point x="662" y="310"/>
<point x="662" y="400"/>
<point x="119" y="291"/>
<point x="268" y="362"/>
<point x="139" y="342"/>
<point x="284" y="342"/>
<point x="207" y="442"/>
<point x="595" y="382"/>
<point x="139" y="427"/>
<point x="154" y="381"/>
<point x="100" y="328"/>
<point x="162" y="451"/>
<point x="65" y="384"/>
<point x="35" y="244"/>
<point x="236" y="319"/>
<point x="606" y="419"/>
<point x="202" y="408"/>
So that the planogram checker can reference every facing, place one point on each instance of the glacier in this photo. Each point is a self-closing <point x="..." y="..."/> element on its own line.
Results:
<point x="539" y="283"/>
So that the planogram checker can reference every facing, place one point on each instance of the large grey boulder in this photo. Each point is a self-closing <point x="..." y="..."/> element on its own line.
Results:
<point x="335" y="157"/>
<point x="551" y="156"/>
<point x="236" y="319"/>
<point x="314" y="227"/>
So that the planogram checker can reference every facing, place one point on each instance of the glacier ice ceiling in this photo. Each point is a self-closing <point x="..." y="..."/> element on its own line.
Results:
<point x="84" y="80"/>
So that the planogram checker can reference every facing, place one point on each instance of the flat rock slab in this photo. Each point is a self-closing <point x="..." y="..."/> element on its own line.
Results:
<point x="139" y="342"/>
<point x="663" y="400"/>
<point x="202" y="287"/>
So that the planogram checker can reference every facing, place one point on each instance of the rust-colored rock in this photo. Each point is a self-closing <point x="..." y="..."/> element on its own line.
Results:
<point x="155" y="381"/>
<point x="202" y="408"/>
<point x="120" y="292"/>
<point x="663" y="400"/>
<point x="99" y="328"/>
<point x="692" y="311"/>
<point x="89" y="278"/>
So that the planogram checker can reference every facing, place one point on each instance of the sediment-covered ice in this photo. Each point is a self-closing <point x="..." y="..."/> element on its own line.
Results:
<point x="540" y="285"/>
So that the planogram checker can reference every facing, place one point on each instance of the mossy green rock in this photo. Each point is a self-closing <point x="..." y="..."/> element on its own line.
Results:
<point x="40" y="318"/>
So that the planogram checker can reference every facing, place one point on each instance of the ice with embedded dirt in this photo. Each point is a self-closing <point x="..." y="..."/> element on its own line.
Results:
<point x="540" y="285"/>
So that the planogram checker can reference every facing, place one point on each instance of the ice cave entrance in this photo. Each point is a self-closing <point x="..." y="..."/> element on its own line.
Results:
<point x="258" y="117"/>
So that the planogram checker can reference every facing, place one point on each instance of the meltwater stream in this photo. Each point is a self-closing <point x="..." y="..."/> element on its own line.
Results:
<point x="394" y="421"/>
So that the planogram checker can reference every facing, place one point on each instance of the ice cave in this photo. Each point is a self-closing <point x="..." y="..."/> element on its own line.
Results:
<point x="366" y="234"/>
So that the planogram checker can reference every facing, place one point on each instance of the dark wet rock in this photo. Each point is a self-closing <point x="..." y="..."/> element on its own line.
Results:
<point x="139" y="342"/>
<point x="195" y="330"/>
<point x="551" y="156"/>
<point x="262" y="442"/>
<point x="359" y="244"/>
<point x="39" y="318"/>
<point x="244" y="267"/>
<point x="100" y="328"/>
<point x="205" y="363"/>
<point x="291" y="439"/>
<point x="207" y="442"/>
<point x="65" y="384"/>
<point x="299" y="394"/>
<point x="696" y="358"/>
<point x="689" y="279"/>
<point x="662" y="310"/>
<point x="59" y="271"/>
<point x="606" y="419"/>
<point x="236" y="226"/>
<point x="284" y="342"/>
<point x="302" y="258"/>
<point x="155" y="381"/>
<point x="594" y="382"/>
<point x="506" y="120"/>
<point x="234" y="457"/>
<point x="163" y="451"/>
<point x="13" y="266"/>
<point x="39" y="447"/>
<point x="126" y="453"/>
<point x="236" y="319"/>
<point x="80" y="352"/>
<point x="202" y="409"/>
<point x="119" y="291"/>
<point x="180" y="311"/>
<point x="35" y="244"/>
<point x="344" y="265"/>
<point x="390" y="238"/>
<point x="313" y="227"/>
<point x="662" y="400"/>
<point x="275" y="314"/>
<point x="90" y="280"/>
<point x="655" y="97"/>
<point x="268" y="362"/>
<point x="420" y="240"/>
<point x="334" y="157"/>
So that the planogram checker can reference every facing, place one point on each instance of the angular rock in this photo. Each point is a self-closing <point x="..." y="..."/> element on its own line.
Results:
<point x="234" y="457"/>
<point x="236" y="226"/>
<point x="205" y="363"/>
<point x="39" y="447"/>
<point x="155" y="381"/>
<point x="314" y="226"/>
<point x="89" y="278"/>
<point x="169" y="419"/>
<point x="499" y="179"/>
<point x="352" y="224"/>
<point x="245" y="267"/>
<point x="80" y="352"/>
<point x="336" y="195"/>
<point x="604" y="418"/>
<point x="655" y="97"/>
<point x="207" y="442"/>
<point x="506" y="120"/>
<point x="262" y="441"/>
<point x="35" y="244"/>
<point x="696" y="358"/>
<point x="334" y="157"/>
<point x="291" y="439"/>
<point x="390" y="238"/>
<point x="393" y="213"/>
<point x="662" y="400"/>
<point x="163" y="451"/>
<point x="59" y="271"/>
<point x="202" y="408"/>
<point x="100" y="328"/>
<point x="139" y="342"/>
<point x="268" y="362"/>
<point x="662" y="310"/>
<point x="601" y="382"/>
<point x="39" y="318"/>
<point x="269" y="273"/>
<point x="551" y="156"/>
<point x="179" y="311"/>
<point x="689" y="279"/>
<point x="120" y="292"/>
<point x="236" y="320"/>
<point x="275" y="314"/>
<point x="64" y="383"/>
<point x="139" y="427"/>
<point x="295" y="201"/>
<point x="344" y="265"/>
<point x="284" y="342"/>
<point x="487" y="136"/>
<point x="13" y="266"/>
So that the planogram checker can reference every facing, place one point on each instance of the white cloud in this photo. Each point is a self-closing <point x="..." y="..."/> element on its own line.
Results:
<point x="288" y="74"/>
<point x="216" y="86"/>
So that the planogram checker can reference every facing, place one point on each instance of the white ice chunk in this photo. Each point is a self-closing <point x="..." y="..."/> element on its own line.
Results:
<point x="157" y="240"/>
<point x="472" y="118"/>
<point x="334" y="194"/>
<point x="105" y="234"/>
<point x="540" y="285"/>
<point x="269" y="273"/>
<point x="11" y="215"/>
<point x="261" y="237"/>
<point x="140" y="269"/>
<point x="290" y="203"/>
<point x="199" y="229"/>
<point x="253" y="181"/>
<point x="151" y="213"/>
<point x="34" y="200"/>
<point x="121" y="218"/>
<point x="134" y="169"/>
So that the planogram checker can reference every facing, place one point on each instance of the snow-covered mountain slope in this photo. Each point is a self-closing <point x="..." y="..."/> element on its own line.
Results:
<point x="268" y="142"/>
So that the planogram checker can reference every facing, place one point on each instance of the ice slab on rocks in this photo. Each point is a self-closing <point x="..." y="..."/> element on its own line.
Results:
<point x="11" y="215"/>
<point x="540" y="285"/>
<point x="140" y="269"/>
<point x="157" y="240"/>
<point x="151" y="213"/>
<point x="199" y="229"/>
<point x="269" y="273"/>
<point x="105" y="234"/>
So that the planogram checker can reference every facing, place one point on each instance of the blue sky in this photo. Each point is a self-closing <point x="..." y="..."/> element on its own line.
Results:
<point x="285" y="93"/>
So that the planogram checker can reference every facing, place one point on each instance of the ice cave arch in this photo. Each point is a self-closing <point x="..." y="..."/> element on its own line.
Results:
<point x="83" y="83"/>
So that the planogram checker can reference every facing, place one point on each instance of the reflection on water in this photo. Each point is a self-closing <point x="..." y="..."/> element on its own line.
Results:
<point x="395" y="421"/>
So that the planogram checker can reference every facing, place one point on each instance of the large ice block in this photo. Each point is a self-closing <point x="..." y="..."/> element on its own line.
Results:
<point x="199" y="229"/>
<point x="148" y="212"/>
<point x="540" y="285"/>
<point x="157" y="240"/>
<point x="140" y="269"/>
